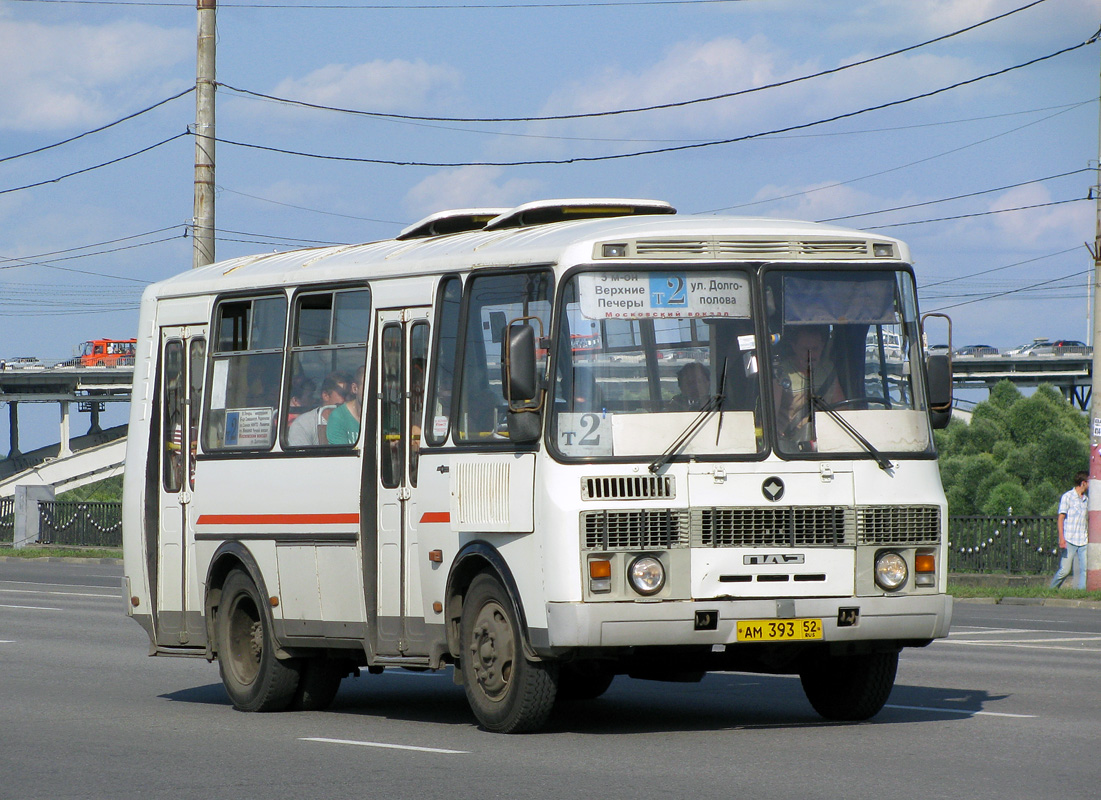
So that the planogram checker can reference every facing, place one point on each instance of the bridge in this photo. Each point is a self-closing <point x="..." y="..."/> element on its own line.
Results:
<point x="1072" y="373"/>
<point x="99" y="453"/>
<point x="74" y="460"/>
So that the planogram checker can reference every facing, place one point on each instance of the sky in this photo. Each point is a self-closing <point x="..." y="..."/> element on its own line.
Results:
<point x="977" y="143"/>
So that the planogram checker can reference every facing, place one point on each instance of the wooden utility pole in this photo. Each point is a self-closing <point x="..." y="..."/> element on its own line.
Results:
<point x="1093" y="549"/>
<point x="203" y="231"/>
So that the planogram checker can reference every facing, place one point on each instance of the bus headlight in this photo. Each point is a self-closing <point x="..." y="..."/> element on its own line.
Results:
<point x="646" y="575"/>
<point x="890" y="571"/>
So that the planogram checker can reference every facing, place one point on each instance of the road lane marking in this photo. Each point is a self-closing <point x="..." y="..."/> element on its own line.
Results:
<point x="60" y="594"/>
<point x="30" y="608"/>
<point x="963" y="711"/>
<point x="383" y="745"/>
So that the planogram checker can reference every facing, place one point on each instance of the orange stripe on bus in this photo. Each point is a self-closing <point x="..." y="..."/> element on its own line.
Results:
<point x="436" y="516"/>
<point x="277" y="519"/>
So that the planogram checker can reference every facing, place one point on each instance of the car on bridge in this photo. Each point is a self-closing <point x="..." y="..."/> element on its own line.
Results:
<point x="977" y="350"/>
<point x="22" y="362"/>
<point x="1030" y="347"/>
<point x="1062" y="347"/>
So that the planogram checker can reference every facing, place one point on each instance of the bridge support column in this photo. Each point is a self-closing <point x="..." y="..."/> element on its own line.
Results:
<point x="66" y="449"/>
<point x="26" y="513"/>
<point x="13" y="430"/>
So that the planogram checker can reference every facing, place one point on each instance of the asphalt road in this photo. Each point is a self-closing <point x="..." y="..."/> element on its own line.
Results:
<point x="1007" y="707"/>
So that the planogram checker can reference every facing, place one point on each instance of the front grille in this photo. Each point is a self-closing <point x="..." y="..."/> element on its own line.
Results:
<point x="820" y="526"/>
<point x="771" y="527"/>
<point x="628" y="487"/>
<point x="635" y="530"/>
<point x="898" y="525"/>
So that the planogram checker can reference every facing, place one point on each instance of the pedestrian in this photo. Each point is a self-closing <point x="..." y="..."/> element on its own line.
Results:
<point x="1073" y="531"/>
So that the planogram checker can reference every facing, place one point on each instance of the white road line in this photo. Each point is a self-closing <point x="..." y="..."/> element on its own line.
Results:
<point x="963" y="711"/>
<point x="62" y="594"/>
<point x="383" y="745"/>
<point x="31" y="608"/>
<point x="1034" y="644"/>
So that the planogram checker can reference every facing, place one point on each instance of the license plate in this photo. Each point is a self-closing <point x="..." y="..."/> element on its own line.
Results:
<point x="779" y="630"/>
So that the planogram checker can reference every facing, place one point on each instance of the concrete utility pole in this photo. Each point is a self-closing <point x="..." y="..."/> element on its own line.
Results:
<point x="203" y="232"/>
<point x="1093" y="549"/>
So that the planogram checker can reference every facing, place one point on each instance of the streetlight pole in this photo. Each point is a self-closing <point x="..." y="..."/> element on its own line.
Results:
<point x="203" y="231"/>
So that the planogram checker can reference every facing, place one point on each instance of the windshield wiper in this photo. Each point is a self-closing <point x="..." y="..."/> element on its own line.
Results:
<point x="714" y="402"/>
<point x="880" y="459"/>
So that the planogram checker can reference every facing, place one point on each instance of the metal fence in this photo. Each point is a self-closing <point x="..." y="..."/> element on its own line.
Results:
<point x="1021" y="545"/>
<point x="89" y="524"/>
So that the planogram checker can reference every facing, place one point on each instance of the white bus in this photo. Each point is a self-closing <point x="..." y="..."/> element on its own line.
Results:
<point x="543" y="446"/>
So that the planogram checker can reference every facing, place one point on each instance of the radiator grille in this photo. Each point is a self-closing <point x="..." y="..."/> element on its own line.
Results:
<point x="635" y="530"/>
<point x="628" y="487"/>
<point x="825" y="526"/>
<point x="772" y="527"/>
<point x="898" y="525"/>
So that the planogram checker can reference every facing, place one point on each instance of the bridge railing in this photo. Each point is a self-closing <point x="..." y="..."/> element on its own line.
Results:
<point x="1021" y="545"/>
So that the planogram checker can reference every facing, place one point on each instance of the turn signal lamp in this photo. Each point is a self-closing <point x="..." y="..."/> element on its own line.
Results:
<point x="925" y="569"/>
<point x="600" y="575"/>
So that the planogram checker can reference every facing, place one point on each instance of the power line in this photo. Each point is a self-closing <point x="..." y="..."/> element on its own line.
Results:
<point x="304" y="208"/>
<point x="660" y="106"/>
<point x="996" y="295"/>
<point x="95" y="167"/>
<point x="662" y="150"/>
<point x="101" y="128"/>
<point x="976" y="214"/>
<point x="959" y="196"/>
<point x="995" y="269"/>
<point x="898" y="167"/>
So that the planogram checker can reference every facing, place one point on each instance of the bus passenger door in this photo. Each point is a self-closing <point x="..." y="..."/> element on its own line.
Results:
<point x="178" y="616"/>
<point x="401" y="351"/>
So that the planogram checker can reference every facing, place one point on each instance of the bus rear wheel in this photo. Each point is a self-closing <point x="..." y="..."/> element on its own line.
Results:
<point x="850" y="688"/>
<point x="254" y="678"/>
<point x="507" y="692"/>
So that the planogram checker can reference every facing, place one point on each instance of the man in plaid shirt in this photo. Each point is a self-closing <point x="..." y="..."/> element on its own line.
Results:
<point x="1073" y="531"/>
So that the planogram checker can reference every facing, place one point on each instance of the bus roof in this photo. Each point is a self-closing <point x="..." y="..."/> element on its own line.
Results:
<point x="644" y="237"/>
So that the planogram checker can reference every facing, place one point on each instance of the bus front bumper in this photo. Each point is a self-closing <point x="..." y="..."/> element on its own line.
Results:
<point x="904" y="619"/>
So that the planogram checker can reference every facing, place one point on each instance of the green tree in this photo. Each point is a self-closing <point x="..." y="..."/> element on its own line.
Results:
<point x="1018" y="452"/>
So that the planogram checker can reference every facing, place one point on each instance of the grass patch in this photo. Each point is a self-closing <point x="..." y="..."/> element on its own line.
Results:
<point x="60" y="552"/>
<point x="958" y="590"/>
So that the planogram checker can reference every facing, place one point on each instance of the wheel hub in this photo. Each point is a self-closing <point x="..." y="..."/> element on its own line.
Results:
<point x="492" y="649"/>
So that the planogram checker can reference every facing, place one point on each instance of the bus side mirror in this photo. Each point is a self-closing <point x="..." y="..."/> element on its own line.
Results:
<point x="520" y="381"/>
<point x="938" y="370"/>
<point x="521" y="384"/>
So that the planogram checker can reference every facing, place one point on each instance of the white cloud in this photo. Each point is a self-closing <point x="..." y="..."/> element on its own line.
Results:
<point x="1054" y="226"/>
<point x="58" y="76"/>
<point x="468" y="187"/>
<point x="376" y="85"/>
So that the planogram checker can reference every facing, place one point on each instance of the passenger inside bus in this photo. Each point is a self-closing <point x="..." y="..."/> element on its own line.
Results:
<point x="802" y="357"/>
<point x="308" y="428"/>
<point x="343" y="427"/>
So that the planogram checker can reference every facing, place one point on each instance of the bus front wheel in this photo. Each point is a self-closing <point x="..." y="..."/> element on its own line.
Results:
<point x="850" y="688"/>
<point x="507" y="692"/>
<point x="254" y="678"/>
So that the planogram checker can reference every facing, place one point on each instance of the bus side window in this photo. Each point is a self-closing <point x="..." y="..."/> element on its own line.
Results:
<point x="495" y="300"/>
<point x="246" y="366"/>
<point x="443" y="365"/>
<point x="418" y="352"/>
<point x="328" y="350"/>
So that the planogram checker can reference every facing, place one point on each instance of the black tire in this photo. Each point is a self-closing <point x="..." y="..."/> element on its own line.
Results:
<point x="850" y="688"/>
<point x="583" y="680"/>
<point x="254" y="678"/>
<point x="318" y="683"/>
<point x="507" y="693"/>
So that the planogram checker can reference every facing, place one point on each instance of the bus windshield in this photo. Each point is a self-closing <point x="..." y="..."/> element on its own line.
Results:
<point x="678" y="363"/>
